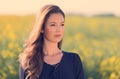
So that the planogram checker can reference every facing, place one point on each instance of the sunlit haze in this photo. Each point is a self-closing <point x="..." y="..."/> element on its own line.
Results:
<point x="86" y="7"/>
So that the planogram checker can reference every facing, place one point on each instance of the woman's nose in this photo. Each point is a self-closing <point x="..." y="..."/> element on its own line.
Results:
<point x="58" y="28"/>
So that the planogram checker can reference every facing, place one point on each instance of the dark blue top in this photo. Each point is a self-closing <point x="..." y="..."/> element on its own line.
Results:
<point x="70" y="67"/>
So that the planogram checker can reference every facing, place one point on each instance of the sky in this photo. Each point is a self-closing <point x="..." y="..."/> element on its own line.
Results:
<point x="86" y="7"/>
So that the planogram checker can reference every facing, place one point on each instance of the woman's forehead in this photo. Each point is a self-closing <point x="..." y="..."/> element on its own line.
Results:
<point x="55" y="17"/>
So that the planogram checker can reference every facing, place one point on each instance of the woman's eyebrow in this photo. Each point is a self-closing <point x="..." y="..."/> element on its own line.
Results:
<point x="55" y="22"/>
<point x="52" y="22"/>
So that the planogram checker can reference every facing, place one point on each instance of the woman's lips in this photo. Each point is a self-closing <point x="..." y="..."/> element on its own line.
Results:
<point x="58" y="35"/>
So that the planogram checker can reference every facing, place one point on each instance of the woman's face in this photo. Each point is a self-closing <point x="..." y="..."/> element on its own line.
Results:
<point x="54" y="28"/>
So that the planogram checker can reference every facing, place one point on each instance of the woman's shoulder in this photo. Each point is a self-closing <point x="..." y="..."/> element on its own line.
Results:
<point x="71" y="55"/>
<point x="74" y="61"/>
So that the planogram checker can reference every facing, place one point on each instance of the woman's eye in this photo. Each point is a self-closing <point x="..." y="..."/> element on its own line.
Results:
<point x="52" y="25"/>
<point x="62" y="24"/>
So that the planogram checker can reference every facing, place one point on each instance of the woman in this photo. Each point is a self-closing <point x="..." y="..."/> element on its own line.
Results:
<point x="42" y="57"/>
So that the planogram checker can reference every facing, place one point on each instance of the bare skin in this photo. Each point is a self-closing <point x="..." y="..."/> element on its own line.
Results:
<point x="53" y="33"/>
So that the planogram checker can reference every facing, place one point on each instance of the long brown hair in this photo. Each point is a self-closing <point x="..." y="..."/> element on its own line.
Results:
<point x="31" y="59"/>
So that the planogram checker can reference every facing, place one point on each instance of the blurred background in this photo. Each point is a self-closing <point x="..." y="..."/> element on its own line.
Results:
<point x="92" y="29"/>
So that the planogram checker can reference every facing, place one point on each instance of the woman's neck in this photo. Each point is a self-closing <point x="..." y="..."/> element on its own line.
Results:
<point x="50" y="48"/>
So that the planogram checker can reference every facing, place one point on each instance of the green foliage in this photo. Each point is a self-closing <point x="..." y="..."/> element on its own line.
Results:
<point x="95" y="39"/>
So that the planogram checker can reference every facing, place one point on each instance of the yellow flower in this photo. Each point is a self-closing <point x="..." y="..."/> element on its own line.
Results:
<point x="79" y="36"/>
<point x="12" y="70"/>
<point x="99" y="53"/>
<point x="113" y="76"/>
<point x="12" y="35"/>
<point x="6" y="53"/>
<point x="112" y="60"/>
<point x="10" y="45"/>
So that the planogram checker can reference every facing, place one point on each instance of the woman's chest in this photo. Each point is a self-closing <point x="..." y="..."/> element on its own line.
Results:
<point x="63" y="71"/>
